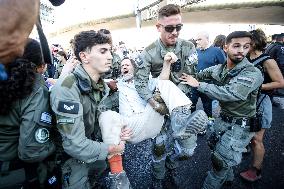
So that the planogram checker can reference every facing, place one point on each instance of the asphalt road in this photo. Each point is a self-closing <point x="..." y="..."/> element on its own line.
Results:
<point x="192" y="172"/>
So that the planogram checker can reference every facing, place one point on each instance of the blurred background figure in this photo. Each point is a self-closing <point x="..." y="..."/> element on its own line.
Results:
<point x="219" y="42"/>
<point x="62" y="59"/>
<point x="208" y="56"/>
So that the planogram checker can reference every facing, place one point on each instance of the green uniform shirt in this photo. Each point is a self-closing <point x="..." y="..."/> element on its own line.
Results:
<point x="236" y="89"/>
<point x="24" y="131"/>
<point x="77" y="101"/>
<point x="151" y="62"/>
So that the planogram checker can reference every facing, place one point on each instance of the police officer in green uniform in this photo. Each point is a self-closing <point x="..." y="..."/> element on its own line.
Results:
<point x="169" y="24"/>
<point x="26" y="123"/>
<point x="77" y="101"/>
<point x="235" y="85"/>
<point x="25" y="119"/>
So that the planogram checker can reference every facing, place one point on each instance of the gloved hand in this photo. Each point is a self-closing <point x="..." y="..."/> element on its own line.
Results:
<point x="157" y="96"/>
<point x="159" y="107"/>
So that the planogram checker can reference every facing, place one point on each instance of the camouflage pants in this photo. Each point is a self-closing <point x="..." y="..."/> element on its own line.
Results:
<point x="76" y="175"/>
<point x="228" y="152"/>
<point x="167" y="159"/>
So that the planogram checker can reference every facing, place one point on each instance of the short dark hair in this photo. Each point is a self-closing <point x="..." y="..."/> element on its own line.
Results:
<point x="273" y="37"/>
<point x="85" y="40"/>
<point x="168" y="10"/>
<point x="259" y="39"/>
<point x="279" y="37"/>
<point x="237" y="34"/>
<point x="32" y="52"/>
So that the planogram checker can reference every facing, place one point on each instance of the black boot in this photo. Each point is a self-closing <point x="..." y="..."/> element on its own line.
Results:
<point x="184" y="124"/>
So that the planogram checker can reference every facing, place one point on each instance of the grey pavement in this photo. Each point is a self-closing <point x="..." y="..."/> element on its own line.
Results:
<point x="191" y="173"/>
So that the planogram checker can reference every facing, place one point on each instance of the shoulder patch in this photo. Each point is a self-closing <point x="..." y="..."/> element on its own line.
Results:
<point x="193" y="57"/>
<point x="42" y="135"/>
<point x="138" y="60"/>
<point x="68" y="81"/>
<point x="247" y="80"/>
<point x="45" y="117"/>
<point x="66" y="120"/>
<point x="68" y="107"/>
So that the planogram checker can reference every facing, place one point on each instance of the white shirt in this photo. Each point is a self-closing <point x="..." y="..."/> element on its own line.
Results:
<point x="130" y="102"/>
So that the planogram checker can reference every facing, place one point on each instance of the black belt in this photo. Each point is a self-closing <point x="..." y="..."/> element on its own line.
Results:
<point x="238" y="121"/>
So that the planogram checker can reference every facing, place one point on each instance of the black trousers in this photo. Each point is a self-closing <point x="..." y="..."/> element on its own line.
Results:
<point x="206" y="101"/>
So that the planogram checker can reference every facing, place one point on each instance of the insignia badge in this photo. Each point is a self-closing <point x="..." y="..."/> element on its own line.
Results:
<point x="193" y="57"/>
<point x="68" y="107"/>
<point x="42" y="135"/>
<point x="139" y="60"/>
<point x="45" y="117"/>
<point x="66" y="120"/>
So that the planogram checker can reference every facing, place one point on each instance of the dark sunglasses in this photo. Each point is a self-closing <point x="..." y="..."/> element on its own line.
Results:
<point x="170" y="28"/>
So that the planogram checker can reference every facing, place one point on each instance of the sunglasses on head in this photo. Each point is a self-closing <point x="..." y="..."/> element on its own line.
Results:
<point x="171" y="28"/>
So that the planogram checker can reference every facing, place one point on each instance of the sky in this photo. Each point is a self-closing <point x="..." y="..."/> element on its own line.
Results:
<point x="77" y="11"/>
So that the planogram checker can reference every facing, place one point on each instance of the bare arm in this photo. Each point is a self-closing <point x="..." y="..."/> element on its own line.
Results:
<point x="275" y="74"/>
<point x="169" y="59"/>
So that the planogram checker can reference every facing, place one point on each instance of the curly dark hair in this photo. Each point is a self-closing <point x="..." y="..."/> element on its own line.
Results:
<point x="85" y="40"/>
<point x="21" y="77"/>
<point x="33" y="53"/>
<point x="258" y="40"/>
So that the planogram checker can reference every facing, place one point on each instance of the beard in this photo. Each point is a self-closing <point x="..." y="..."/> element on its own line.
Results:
<point x="236" y="59"/>
<point x="127" y="77"/>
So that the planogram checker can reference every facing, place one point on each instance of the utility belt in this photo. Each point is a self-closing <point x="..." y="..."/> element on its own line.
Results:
<point x="253" y="123"/>
<point x="239" y="121"/>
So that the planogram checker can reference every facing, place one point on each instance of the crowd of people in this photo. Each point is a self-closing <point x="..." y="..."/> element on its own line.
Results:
<point x="62" y="125"/>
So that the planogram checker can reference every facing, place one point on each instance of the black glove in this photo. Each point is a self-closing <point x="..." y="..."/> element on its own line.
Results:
<point x="157" y="97"/>
<point x="159" y="107"/>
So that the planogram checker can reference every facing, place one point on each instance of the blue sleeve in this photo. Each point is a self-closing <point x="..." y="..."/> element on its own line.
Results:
<point x="220" y="56"/>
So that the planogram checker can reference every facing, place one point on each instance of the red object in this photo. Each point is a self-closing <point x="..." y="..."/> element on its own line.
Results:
<point x="115" y="163"/>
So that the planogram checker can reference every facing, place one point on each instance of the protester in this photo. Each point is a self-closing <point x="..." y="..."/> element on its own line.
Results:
<point x="273" y="79"/>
